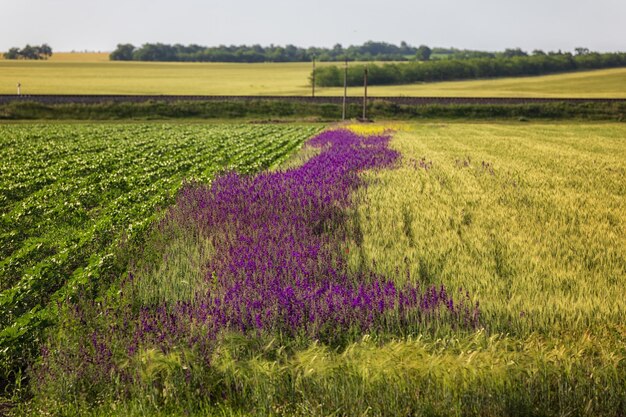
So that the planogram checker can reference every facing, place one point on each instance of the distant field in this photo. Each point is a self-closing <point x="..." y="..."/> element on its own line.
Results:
<point x="92" y="73"/>
<point x="65" y="77"/>
<point x="588" y="84"/>
<point x="80" y="57"/>
<point x="76" y="57"/>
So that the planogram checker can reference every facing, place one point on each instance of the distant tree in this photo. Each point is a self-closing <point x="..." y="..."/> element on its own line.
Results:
<point x="378" y="51"/>
<point x="337" y="50"/>
<point x="423" y="53"/>
<point x="30" y="52"/>
<point x="510" y="53"/>
<point x="405" y="48"/>
<point x="14" y="53"/>
<point x="511" y="62"/>
<point x="463" y="69"/>
<point x="123" y="52"/>
<point x="45" y="51"/>
<point x="454" y="53"/>
<point x="581" y="51"/>
<point x="155" y="52"/>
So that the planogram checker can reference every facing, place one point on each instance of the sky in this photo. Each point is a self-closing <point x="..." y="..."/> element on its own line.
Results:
<point x="77" y="25"/>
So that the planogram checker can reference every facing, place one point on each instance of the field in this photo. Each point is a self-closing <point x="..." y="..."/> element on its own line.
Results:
<point x="154" y="78"/>
<point x="92" y="74"/>
<point x="70" y="195"/>
<point x="76" y="57"/>
<point x="436" y="269"/>
<point x="588" y="84"/>
<point x="530" y="220"/>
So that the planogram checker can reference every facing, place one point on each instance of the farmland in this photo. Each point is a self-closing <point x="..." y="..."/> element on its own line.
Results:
<point x="90" y="74"/>
<point x="72" y="194"/>
<point x="75" y="57"/>
<point x="443" y="269"/>
<point x="530" y="219"/>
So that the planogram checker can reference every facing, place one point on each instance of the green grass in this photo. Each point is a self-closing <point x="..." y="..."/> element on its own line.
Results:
<point x="73" y="74"/>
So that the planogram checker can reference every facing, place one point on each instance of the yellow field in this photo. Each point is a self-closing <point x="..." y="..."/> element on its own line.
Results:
<point x="529" y="218"/>
<point x="50" y="77"/>
<point x="80" y="57"/>
<point x="588" y="84"/>
<point x="92" y="73"/>
<point x="75" y="57"/>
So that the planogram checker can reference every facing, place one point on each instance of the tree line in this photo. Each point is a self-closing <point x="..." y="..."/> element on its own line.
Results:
<point x="29" y="52"/>
<point x="514" y="65"/>
<point x="369" y="51"/>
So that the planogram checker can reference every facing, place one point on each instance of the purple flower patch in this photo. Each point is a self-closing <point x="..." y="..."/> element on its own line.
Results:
<point x="279" y="265"/>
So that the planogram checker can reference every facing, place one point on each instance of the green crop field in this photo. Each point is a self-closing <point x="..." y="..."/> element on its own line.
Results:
<point x="511" y="237"/>
<point x="70" y="195"/>
<point x="90" y="74"/>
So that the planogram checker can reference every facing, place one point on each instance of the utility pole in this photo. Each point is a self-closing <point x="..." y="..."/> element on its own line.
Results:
<point x="365" y="94"/>
<point x="345" y="90"/>
<point x="313" y="79"/>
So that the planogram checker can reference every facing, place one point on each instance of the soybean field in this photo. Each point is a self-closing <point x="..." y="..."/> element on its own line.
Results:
<point x="71" y="194"/>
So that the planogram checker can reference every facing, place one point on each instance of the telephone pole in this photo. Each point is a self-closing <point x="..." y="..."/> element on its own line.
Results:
<point x="365" y="94"/>
<point x="345" y="90"/>
<point x="313" y="79"/>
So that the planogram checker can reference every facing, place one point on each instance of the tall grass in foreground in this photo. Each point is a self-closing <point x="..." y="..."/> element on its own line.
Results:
<point x="472" y="375"/>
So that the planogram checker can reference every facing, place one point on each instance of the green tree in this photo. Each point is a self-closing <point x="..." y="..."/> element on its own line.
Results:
<point x="581" y="51"/>
<point x="45" y="51"/>
<point x="123" y="52"/>
<point x="155" y="52"/>
<point x="423" y="53"/>
<point x="13" y="53"/>
<point x="510" y="53"/>
<point x="30" y="52"/>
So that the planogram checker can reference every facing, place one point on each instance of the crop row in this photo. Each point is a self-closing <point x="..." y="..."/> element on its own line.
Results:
<point x="70" y="193"/>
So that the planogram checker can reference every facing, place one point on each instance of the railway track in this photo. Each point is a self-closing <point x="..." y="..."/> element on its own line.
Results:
<point x="94" y="99"/>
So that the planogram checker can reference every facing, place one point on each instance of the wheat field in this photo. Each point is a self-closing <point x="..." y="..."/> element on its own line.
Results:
<point x="92" y="73"/>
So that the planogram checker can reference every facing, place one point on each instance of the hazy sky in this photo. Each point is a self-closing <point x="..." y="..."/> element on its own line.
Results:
<point x="474" y="24"/>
